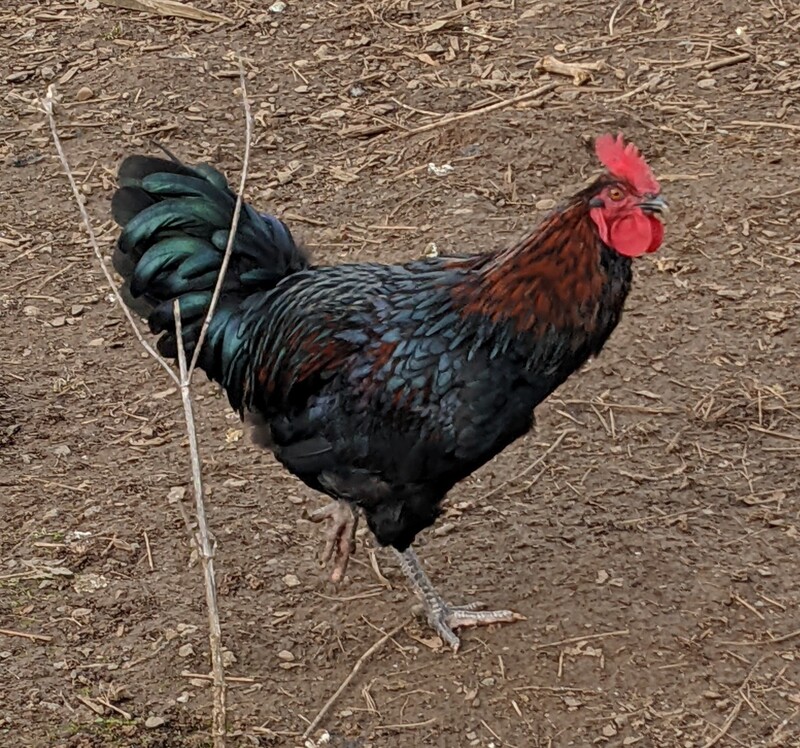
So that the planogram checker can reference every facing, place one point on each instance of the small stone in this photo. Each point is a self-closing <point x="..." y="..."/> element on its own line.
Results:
<point x="84" y="94"/>
<point x="546" y="204"/>
<point x="59" y="321"/>
<point x="77" y="310"/>
<point x="609" y="730"/>
<point x="277" y="7"/>
<point x="176" y="494"/>
<point x="706" y="83"/>
<point x="187" y="650"/>
<point x="228" y="658"/>
<point x="290" y="580"/>
<point x="19" y="76"/>
<point x="440" y="170"/>
<point x="286" y="655"/>
<point x="152" y="722"/>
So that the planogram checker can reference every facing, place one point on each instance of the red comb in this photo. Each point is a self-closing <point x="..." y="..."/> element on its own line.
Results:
<point x="625" y="162"/>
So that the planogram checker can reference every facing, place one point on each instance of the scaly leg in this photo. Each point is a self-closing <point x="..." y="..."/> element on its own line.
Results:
<point x="443" y="617"/>
<point x="340" y="538"/>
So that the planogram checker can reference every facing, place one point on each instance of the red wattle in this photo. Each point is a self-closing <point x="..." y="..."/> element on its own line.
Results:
<point x="636" y="234"/>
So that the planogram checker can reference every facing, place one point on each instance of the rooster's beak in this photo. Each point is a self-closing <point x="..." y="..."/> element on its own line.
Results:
<point x="655" y="205"/>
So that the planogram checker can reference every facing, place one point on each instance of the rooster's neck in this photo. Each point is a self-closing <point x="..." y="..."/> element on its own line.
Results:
<point x="560" y="276"/>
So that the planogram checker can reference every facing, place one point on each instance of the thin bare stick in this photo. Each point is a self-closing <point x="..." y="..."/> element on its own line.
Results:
<point x="762" y="642"/>
<point x="587" y="637"/>
<point x="228" y="678"/>
<point x="47" y="106"/>
<point x="726" y="725"/>
<point x="346" y="682"/>
<point x="219" y="710"/>
<point x="149" y="552"/>
<point x="652" y="81"/>
<point x="541" y="91"/>
<point x="202" y="538"/>
<point x="248" y="130"/>
<point x="26" y="635"/>
<point x="613" y="18"/>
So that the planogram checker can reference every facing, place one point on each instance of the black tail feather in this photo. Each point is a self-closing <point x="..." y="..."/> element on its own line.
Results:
<point x="175" y="223"/>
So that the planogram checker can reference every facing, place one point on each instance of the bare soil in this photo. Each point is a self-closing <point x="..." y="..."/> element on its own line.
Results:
<point x="654" y="551"/>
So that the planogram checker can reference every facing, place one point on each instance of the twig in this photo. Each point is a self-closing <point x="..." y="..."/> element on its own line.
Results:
<point x="114" y="708"/>
<point x="346" y="682"/>
<point x="149" y="552"/>
<point x="219" y="711"/>
<point x="91" y="704"/>
<point x="579" y="72"/>
<point x="169" y="8"/>
<point x="557" y="689"/>
<point x="228" y="678"/>
<point x="756" y="123"/>
<point x="776" y="640"/>
<point x="725" y="726"/>
<point x="47" y="106"/>
<point x="587" y="637"/>
<point x="25" y="635"/>
<point x="613" y="18"/>
<point x="541" y="91"/>
<point x="727" y="61"/>
<point x="248" y="129"/>
<point x="788" y="193"/>
<point x="219" y="719"/>
<point x="776" y="434"/>
<point x="530" y="467"/>
<point x="652" y="81"/>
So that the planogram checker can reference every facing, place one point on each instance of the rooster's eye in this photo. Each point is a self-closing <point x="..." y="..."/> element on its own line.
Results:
<point x="615" y="194"/>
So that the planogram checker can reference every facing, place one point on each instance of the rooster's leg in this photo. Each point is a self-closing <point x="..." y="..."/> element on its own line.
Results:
<point x="340" y="538"/>
<point x="443" y="617"/>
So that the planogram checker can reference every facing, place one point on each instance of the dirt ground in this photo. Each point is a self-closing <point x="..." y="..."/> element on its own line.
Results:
<point x="654" y="550"/>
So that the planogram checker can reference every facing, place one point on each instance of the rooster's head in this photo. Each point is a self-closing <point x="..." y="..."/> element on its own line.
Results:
<point x="626" y="204"/>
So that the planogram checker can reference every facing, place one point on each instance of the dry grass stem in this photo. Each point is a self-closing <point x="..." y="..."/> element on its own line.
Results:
<point x="346" y="682"/>
<point x="26" y="635"/>
<point x="248" y="138"/>
<point x="536" y="94"/>
<point x="48" y="103"/>
<point x="183" y="380"/>
<point x="587" y="637"/>
<point x="219" y="712"/>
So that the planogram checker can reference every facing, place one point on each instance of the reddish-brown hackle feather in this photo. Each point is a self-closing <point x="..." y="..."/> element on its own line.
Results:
<point x="626" y="163"/>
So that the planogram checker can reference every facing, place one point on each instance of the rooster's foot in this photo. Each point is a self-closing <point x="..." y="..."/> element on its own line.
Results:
<point x="340" y="538"/>
<point x="445" y="619"/>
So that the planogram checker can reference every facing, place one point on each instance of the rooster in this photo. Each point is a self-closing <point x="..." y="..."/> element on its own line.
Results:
<point x="383" y="386"/>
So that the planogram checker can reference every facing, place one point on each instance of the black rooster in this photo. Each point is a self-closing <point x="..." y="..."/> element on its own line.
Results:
<point x="384" y="385"/>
